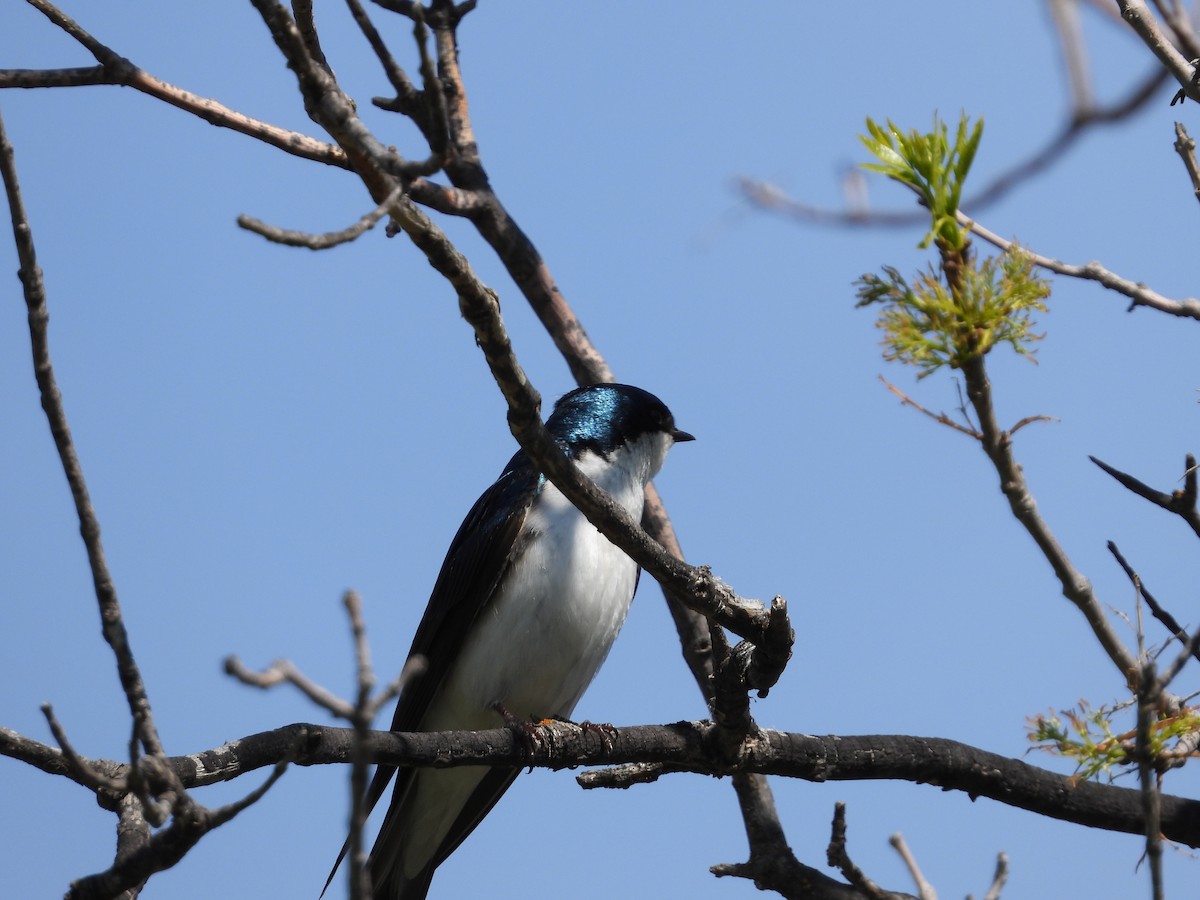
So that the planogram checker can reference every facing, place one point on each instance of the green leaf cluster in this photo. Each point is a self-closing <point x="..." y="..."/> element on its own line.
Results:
<point x="932" y="166"/>
<point x="963" y="308"/>
<point x="928" y="325"/>
<point x="1087" y="736"/>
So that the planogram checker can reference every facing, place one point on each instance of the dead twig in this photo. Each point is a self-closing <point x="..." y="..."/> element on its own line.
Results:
<point x="940" y="418"/>
<point x="326" y="240"/>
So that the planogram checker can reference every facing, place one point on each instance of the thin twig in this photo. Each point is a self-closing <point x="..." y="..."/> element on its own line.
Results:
<point x="770" y="197"/>
<point x="84" y="773"/>
<point x="283" y="670"/>
<point x="1169" y="621"/>
<point x="1075" y="586"/>
<point x="1093" y="271"/>
<point x="1181" y="502"/>
<point x="999" y="878"/>
<point x="406" y="92"/>
<point x="1065" y="14"/>
<point x="360" y="878"/>
<point x="1186" y="148"/>
<point x="112" y="624"/>
<point x="838" y="856"/>
<point x="303" y="12"/>
<point x="326" y="240"/>
<point x="223" y="814"/>
<point x="1190" y="649"/>
<point x="925" y="890"/>
<point x="1030" y="420"/>
<point x="117" y="70"/>
<point x="940" y="418"/>
<point x="1177" y="17"/>
<point x="189" y="823"/>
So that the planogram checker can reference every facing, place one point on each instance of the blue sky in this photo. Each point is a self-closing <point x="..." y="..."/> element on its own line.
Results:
<point x="263" y="428"/>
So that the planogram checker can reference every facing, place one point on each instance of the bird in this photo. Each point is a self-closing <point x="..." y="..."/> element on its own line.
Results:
<point x="526" y="606"/>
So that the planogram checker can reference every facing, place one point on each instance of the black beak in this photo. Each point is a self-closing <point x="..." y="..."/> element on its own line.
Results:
<point x="681" y="436"/>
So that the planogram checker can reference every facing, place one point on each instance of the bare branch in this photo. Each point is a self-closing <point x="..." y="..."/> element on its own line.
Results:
<point x="133" y="837"/>
<point x="1191" y="650"/>
<point x="998" y="879"/>
<point x="924" y="889"/>
<point x="1186" y="148"/>
<point x="697" y="587"/>
<point x="1065" y="14"/>
<point x="1093" y="271"/>
<point x="1181" y="502"/>
<point x="111" y="621"/>
<point x="321" y="241"/>
<point x="163" y="849"/>
<point x="940" y="418"/>
<point x="283" y="670"/>
<point x="1030" y="420"/>
<point x="360" y="879"/>
<point x="772" y="865"/>
<point x="1168" y="620"/>
<point x="81" y="772"/>
<point x="769" y="197"/>
<point x="1075" y="586"/>
<point x="838" y="855"/>
<point x="1178" y="19"/>
<point x="305" y="22"/>
<point x="116" y="70"/>
<point x="50" y="760"/>
<point x="1149" y="692"/>
<point x="408" y="98"/>
<point x="685" y="746"/>
<point x="1138" y="15"/>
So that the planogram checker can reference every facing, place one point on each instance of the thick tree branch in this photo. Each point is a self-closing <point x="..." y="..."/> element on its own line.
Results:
<point x="688" y="746"/>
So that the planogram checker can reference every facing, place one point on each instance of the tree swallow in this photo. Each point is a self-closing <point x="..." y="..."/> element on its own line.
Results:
<point x="527" y="604"/>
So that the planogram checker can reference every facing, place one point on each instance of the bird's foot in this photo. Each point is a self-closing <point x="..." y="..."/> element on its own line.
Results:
<point x="526" y="733"/>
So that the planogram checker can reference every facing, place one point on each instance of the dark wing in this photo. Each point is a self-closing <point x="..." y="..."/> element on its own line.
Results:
<point x="474" y="565"/>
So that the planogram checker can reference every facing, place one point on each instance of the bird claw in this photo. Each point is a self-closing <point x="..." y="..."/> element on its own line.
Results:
<point x="526" y="733"/>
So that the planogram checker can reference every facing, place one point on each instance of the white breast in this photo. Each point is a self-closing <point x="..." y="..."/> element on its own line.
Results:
<point x="540" y="643"/>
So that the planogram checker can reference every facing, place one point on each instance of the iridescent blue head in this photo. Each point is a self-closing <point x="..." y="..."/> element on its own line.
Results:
<point x="603" y="417"/>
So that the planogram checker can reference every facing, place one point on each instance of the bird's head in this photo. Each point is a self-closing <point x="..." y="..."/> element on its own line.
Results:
<point x="616" y="420"/>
